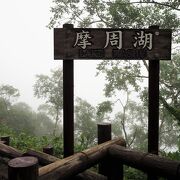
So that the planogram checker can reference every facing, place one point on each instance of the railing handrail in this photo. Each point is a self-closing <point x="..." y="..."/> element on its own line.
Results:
<point x="77" y="162"/>
<point x="150" y="163"/>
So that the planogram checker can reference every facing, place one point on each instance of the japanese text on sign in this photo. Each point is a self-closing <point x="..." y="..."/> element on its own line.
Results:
<point x="114" y="38"/>
<point x="92" y="43"/>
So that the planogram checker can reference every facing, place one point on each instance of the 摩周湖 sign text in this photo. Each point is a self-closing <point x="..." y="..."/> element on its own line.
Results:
<point x="92" y="43"/>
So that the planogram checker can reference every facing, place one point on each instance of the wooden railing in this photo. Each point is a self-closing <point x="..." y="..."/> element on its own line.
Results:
<point x="111" y="155"/>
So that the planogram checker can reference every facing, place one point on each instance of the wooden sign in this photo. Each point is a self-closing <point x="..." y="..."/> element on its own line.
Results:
<point x="93" y="43"/>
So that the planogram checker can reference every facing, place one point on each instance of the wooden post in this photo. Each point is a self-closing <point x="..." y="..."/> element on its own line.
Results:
<point x="48" y="150"/>
<point x="153" y="108"/>
<point x="109" y="166"/>
<point x="23" y="168"/>
<point x="153" y="123"/>
<point x="68" y="102"/>
<point x="6" y="140"/>
<point x="104" y="134"/>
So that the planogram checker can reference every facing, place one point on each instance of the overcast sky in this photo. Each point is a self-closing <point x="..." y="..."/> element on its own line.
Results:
<point x="26" y="49"/>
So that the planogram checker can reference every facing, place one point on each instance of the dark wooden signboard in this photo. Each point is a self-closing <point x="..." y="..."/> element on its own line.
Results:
<point x="93" y="43"/>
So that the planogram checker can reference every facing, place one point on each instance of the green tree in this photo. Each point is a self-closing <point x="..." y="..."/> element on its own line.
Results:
<point x="47" y="113"/>
<point x="50" y="88"/>
<point x="118" y="13"/>
<point x="44" y="125"/>
<point x="124" y="76"/>
<point x="85" y="123"/>
<point x="103" y="109"/>
<point x="8" y="95"/>
<point x="21" y="118"/>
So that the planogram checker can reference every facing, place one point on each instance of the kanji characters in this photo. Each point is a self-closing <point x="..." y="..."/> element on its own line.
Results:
<point x="82" y="39"/>
<point x="143" y="40"/>
<point x="114" y="38"/>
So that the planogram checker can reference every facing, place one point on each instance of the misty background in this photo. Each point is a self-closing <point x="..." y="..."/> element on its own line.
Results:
<point x="26" y="49"/>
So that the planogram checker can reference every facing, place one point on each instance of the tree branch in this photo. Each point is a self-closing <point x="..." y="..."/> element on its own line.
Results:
<point x="151" y="2"/>
<point x="133" y="138"/>
<point x="146" y="65"/>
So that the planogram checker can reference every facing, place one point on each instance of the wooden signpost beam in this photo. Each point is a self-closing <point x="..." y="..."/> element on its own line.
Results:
<point x="68" y="102"/>
<point x="153" y="123"/>
<point x="153" y="108"/>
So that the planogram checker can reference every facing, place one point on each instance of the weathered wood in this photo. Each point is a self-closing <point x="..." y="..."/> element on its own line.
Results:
<point x="95" y="44"/>
<point x="43" y="158"/>
<point x="9" y="151"/>
<point x="6" y="140"/>
<point x="3" y="172"/>
<point x="153" y="107"/>
<point x="104" y="134"/>
<point x="68" y="101"/>
<point x="4" y="168"/>
<point x="48" y="150"/>
<point x="23" y="168"/>
<point x="89" y="175"/>
<point x="115" y="171"/>
<point x="150" y="163"/>
<point x="109" y="166"/>
<point x="4" y="160"/>
<point x="77" y="163"/>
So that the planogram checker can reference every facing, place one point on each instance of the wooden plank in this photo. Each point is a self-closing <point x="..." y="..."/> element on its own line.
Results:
<point x="77" y="163"/>
<point x="89" y="175"/>
<point x="93" y="43"/>
<point x="45" y="159"/>
<point x="150" y="163"/>
<point x="9" y="151"/>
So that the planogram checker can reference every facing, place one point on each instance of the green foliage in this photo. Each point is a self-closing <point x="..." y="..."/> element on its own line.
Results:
<point x="115" y="14"/>
<point x="6" y="131"/>
<point x="24" y="141"/>
<point x="134" y="174"/>
<point x="132" y="123"/>
<point x="20" y="116"/>
<point x="7" y="92"/>
<point x="50" y="88"/>
<point x="85" y="123"/>
<point x="172" y="155"/>
<point x="120" y="75"/>
<point x="103" y="109"/>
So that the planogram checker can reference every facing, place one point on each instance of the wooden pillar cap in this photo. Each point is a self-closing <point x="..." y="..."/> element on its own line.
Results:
<point x="21" y="162"/>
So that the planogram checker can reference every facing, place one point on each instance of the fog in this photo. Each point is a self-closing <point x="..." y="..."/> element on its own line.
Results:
<point x="26" y="49"/>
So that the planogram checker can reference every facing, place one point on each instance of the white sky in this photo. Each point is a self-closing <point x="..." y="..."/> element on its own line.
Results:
<point x="26" y="49"/>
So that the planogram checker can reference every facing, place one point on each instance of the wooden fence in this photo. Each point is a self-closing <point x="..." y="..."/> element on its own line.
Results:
<point x="110" y="155"/>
